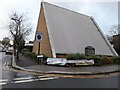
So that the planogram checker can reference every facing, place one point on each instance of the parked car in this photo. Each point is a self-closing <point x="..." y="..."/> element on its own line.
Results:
<point x="9" y="51"/>
<point x="4" y="49"/>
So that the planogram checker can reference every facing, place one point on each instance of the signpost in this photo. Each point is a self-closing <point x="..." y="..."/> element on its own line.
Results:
<point x="39" y="39"/>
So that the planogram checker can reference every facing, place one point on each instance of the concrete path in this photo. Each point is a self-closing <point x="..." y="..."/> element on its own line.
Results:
<point x="74" y="69"/>
<point x="25" y="62"/>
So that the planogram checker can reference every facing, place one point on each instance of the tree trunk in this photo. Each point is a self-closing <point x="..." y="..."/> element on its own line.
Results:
<point x="14" y="45"/>
<point x="17" y="54"/>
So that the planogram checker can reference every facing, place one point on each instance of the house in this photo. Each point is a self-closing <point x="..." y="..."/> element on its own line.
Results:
<point x="64" y="32"/>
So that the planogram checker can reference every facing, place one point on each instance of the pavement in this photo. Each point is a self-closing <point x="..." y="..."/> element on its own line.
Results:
<point x="30" y="65"/>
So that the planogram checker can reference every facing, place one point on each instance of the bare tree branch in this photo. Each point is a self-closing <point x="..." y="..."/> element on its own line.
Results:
<point x="19" y="28"/>
<point x="114" y="30"/>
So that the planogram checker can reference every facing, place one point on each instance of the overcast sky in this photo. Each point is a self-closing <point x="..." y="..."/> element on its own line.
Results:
<point x="105" y="12"/>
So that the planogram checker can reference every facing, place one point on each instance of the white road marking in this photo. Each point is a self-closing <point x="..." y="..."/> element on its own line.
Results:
<point x="3" y="83"/>
<point x="27" y="79"/>
<point x="3" y="80"/>
<point x="43" y="76"/>
<point x="23" y="81"/>
<point x="48" y="78"/>
<point x="5" y="63"/>
<point x="23" y="78"/>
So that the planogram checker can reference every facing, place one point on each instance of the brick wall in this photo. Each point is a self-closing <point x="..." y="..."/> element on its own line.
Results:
<point x="45" y="47"/>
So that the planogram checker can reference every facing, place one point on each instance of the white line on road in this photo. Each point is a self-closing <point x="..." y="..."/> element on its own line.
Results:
<point x="3" y="83"/>
<point x="23" y="78"/>
<point x="48" y="78"/>
<point x="31" y="80"/>
<point x="5" y="63"/>
<point x="23" y="81"/>
<point x="27" y="79"/>
<point x="3" y="80"/>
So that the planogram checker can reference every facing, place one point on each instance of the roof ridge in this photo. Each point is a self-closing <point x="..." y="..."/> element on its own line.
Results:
<point x="66" y="9"/>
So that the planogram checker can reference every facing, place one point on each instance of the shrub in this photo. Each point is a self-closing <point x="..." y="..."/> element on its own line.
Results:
<point x="29" y="54"/>
<point x="33" y="55"/>
<point x="24" y="50"/>
<point x="116" y="59"/>
<point x="96" y="59"/>
<point x="75" y="56"/>
<point x="45" y="57"/>
<point x="99" y="60"/>
<point x="71" y="57"/>
<point x="79" y="56"/>
<point x="106" y="60"/>
<point x="103" y="60"/>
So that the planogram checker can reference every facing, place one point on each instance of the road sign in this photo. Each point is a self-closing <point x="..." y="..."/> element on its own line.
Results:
<point x="39" y="56"/>
<point x="39" y="37"/>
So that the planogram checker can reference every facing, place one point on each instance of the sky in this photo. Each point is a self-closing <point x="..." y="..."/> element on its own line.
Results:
<point x="105" y="12"/>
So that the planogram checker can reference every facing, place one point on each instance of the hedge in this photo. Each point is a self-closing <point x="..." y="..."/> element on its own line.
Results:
<point x="75" y="56"/>
<point x="29" y="54"/>
<point x="116" y="59"/>
<point x="99" y="60"/>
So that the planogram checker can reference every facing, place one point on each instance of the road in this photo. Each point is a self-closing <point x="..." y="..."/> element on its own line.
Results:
<point x="111" y="82"/>
<point x="12" y="79"/>
<point x="9" y="76"/>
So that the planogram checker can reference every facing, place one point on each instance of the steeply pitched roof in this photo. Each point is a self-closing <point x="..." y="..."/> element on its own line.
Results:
<point x="71" y="32"/>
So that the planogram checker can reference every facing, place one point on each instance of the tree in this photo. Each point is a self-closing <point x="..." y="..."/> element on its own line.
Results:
<point x="115" y="29"/>
<point x="22" y="44"/>
<point x="114" y="37"/>
<point x="19" y="29"/>
<point x="6" y="41"/>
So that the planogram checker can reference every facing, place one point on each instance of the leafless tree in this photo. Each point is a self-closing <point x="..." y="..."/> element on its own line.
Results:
<point x="19" y="29"/>
<point x="114" y="37"/>
<point x="115" y="29"/>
